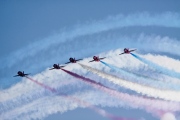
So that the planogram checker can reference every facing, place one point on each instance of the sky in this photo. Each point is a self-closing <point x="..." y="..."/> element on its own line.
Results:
<point x="38" y="33"/>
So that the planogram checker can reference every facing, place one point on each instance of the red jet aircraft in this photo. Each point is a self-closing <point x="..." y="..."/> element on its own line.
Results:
<point x="97" y="59"/>
<point x="73" y="60"/>
<point x="21" y="74"/>
<point x="127" y="51"/>
<point x="56" y="66"/>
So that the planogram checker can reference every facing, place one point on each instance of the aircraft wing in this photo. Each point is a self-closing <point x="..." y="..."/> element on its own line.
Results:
<point x="27" y="74"/>
<point x="132" y="50"/>
<point x="16" y="75"/>
<point x="79" y="59"/>
<point x="51" y="68"/>
<point x="102" y="58"/>
<point x="67" y="62"/>
<point x="91" y="61"/>
<point x="122" y="53"/>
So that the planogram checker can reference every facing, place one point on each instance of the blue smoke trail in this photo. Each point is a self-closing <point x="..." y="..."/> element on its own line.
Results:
<point x="157" y="67"/>
<point x="140" y="79"/>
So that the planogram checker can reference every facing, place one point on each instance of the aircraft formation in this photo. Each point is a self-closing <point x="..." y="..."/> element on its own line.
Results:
<point x="150" y="93"/>
<point x="73" y="60"/>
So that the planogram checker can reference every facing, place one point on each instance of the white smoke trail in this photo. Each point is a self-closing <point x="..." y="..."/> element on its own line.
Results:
<point x="157" y="67"/>
<point x="24" y="87"/>
<point x="53" y="54"/>
<point x="141" y="79"/>
<point x="149" y="71"/>
<point x="133" y="102"/>
<point x="19" y="110"/>
<point x="167" y="19"/>
<point x="165" y="61"/>
<point x="38" y="109"/>
<point x="98" y="110"/>
<point x="145" y="90"/>
<point x="54" y="78"/>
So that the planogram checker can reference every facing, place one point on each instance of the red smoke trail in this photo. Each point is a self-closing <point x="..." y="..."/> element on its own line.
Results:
<point x="85" y="79"/>
<point x="98" y="110"/>
<point x="150" y="105"/>
<point x="41" y="84"/>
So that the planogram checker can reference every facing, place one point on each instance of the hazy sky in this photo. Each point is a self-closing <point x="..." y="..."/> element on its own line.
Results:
<point x="23" y="22"/>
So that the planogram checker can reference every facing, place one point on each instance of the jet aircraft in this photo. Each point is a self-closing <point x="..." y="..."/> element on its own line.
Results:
<point x="56" y="66"/>
<point x="127" y="51"/>
<point x="73" y="60"/>
<point x="21" y="74"/>
<point x="96" y="58"/>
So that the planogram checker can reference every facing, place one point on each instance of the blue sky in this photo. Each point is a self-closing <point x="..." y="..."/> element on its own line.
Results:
<point x="52" y="26"/>
<point x="28" y="21"/>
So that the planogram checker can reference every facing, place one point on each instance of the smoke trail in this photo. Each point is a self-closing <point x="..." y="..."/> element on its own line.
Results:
<point x="112" y="22"/>
<point x="48" y="105"/>
<point x="157" y="67"/>
<point x="28" y="97"/>
<point x="41" y="84"/>
<point x="53" y="54"/>
<point x="98" y="110"/>
<point x="53" y="78"/>
<point x="167" y="19"/>
<point x="133" y="101"/>
<point x="83" y="78"/>
<point x="149" y="91"/>
<point x="141" y="79"/>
